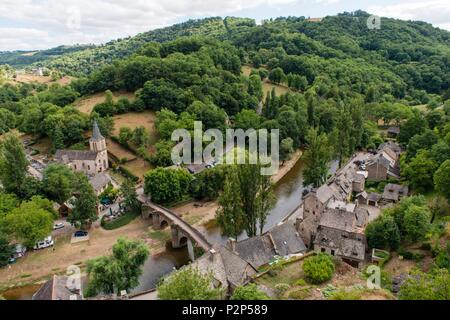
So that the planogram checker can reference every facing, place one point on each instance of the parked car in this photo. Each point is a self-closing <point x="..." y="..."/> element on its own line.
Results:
<point x="19" y="251"/>
<point x="80" y="233"/>
<point x="58" y="225"/>
<point x="47" y="242"/>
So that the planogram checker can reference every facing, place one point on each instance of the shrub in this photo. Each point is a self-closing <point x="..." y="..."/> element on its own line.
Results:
<point x="248" y="292"/>
<point x="319" y="268"/>
<point x="281" y="288"/>
<point x="299" y="294"/>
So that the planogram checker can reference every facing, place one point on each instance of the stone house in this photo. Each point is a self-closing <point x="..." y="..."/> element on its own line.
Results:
<point x="228" y="269"/>
<point x="280" y="241"/>
<point x="100" y="182"/>
<point x="341" y="233"/>
<point x="91" y="162"/>
<point x="393" y="193"/>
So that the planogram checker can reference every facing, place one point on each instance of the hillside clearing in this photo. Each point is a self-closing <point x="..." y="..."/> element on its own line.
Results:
<point x="87" y="103"/>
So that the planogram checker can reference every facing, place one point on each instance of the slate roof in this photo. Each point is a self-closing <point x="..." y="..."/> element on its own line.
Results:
<point x="379" y="159"/>
<point x="391" y="145"/>
<point x="56" y="289"/>
<point x="343" y="246"/>
<point x="96" y="134"/>
<point x="338" y="219"/>
<point x="394" y="191"/>
<point x="70" y="155"/>
<point x="286" y="239"/>
<point x="394" y="130"/>
<point x="281" y="240"/>
<point x="258" y="250"/>
<point x="373" y="196"/>
<point x="226" y="266"/>
<point x="100" y="180"/>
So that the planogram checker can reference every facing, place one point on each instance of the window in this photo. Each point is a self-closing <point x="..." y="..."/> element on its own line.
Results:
<point x="89" y="167"/>
<point x="332" y="252"/>
<point x="322" y="249"/>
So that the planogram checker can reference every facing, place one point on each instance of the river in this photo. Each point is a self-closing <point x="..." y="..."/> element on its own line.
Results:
<point x="288" y="192"/>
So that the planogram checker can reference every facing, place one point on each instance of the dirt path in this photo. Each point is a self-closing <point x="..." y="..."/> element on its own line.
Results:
<point x="38" y="264"/>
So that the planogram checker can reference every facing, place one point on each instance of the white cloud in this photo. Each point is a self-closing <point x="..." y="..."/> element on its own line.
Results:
<point x="101" y="20"/>
<point x="436" y="12"/>
<point x="40" y="24"/>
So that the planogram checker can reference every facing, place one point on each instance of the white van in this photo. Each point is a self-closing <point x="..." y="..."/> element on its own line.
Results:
<point x="47" y="242"/>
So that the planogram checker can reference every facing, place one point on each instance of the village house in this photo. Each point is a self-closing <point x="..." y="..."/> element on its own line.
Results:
<point x="384" y="164"/>
<point x="60" y="288"/>
<point x="91" y="162"/>
<point x="393" y="131"/>
<point x="100" y="182"/>
<point x="281" y="241"/>
<point x="227" y="268"/>
<point x="393" y="193"/>
<point x="340" y="232"/>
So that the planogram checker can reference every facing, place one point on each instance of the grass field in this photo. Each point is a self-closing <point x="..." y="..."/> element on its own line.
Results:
<point x="30" y="78"/>
<point x="87" y="103"/>
<point x="118" y="151"/>
<point x="136" y="119"/>
<point x="138" y="167"/>
<point x="267" y="85"/>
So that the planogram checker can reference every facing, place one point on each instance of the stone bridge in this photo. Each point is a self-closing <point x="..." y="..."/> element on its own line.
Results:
<point x="182" y="233"/>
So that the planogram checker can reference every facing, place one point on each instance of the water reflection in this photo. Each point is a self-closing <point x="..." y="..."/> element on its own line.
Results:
<point x="157" y="266"/>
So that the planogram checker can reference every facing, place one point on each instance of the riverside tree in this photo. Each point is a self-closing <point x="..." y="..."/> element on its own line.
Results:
<point x="316" y="158"/>
<point x="189" y="283"/>
<point x="119" y="271"/>
<point x="13" y="163"/>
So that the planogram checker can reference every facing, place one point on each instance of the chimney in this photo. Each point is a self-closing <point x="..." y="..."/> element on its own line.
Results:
<point x="232" y="244"/>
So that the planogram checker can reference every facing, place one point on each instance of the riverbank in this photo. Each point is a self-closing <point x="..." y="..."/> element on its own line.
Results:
<point x="37" y="265"/>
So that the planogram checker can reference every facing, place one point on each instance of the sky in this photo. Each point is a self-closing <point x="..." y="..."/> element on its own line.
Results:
<point x="42" y="24"/>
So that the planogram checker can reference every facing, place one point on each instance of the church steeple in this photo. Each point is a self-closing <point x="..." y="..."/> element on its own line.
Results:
<point x="97" y="142"/>
<point x="96" y="134"/>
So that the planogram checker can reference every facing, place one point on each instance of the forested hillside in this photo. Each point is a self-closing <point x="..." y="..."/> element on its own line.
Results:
<point x="80" y="60"/>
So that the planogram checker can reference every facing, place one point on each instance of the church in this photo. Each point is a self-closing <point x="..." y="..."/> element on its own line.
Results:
<point x="90" y="162"/>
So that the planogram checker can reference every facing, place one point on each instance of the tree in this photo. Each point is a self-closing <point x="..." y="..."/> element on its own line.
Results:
<point x="140" y="137"/>
<point x="188" y="283"/>
<point x="30" y="222"/>
<point x="230" y="216"/>
<point x="319" y="268"/>
<point x="6" y="250"/>
<point x="13" y="163"/>
<point x="316" y="158"/>
<point x="383" y="233"/>
<point x="85" y="202"/>
<point x="423" y="286"/>
<point x="247" y="119"/>
<point x="420" y="170"/>
<point x="442" y="179"/>
<point x="277" y="75"/>
<point x="286" y="148"/>
<point x="129" y="195"/>
<point x="248" y="292"/>
<point x="414" y="125"/>
<point x="7" y="203"/>
<point x="120" y="271"/>
<point x="416" y="222"/>
<point x="58" y="182"/>
<point x="125" y="135"/>
<point x="167" y="185"/>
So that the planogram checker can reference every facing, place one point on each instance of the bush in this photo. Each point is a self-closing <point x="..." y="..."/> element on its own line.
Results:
<point x="281" y="288"/>
<point x="408" y="255"/>
<point x="248" y="292"/>
<point x="319" y="268"/>
<point x="299" y="294"/>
